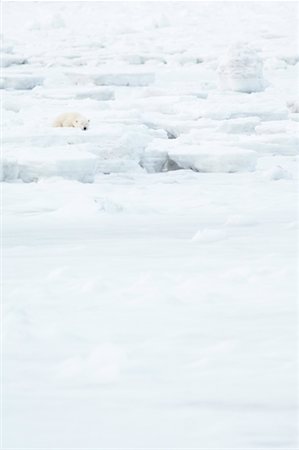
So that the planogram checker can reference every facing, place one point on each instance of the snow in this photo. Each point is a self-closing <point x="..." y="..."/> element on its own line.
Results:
<point x="9" y="60"/>
<point x="293" y="106"/>
<point x="102" y="365"/>
<point x="241" y="70"/>
<point x="209" y="235"/>
<point x="150" y="263"/>
<point x="98" y="93"/>
<point x="35" y="164"/>
<point x="203" y="157"/>
<point x="278" y="173"/>
<point x="22" y="82"/>
<point x="129" y="78"/>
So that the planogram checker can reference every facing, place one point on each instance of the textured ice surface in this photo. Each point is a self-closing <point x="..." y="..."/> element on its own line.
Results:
<point x="31" y="165"/>
<point x="150" y="263"/>
<point x="241" y="69"/>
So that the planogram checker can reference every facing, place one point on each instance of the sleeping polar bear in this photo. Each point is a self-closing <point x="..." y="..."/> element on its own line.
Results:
<point x="71" y="119"/>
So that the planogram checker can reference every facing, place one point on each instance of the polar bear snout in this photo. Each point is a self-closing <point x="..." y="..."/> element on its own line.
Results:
<point x="82" y="123"/>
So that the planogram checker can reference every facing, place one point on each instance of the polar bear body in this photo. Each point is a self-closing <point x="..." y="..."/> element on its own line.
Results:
<point x="71" y="119"/>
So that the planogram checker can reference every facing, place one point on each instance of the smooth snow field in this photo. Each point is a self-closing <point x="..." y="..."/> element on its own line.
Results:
<point x="150" y="262"/>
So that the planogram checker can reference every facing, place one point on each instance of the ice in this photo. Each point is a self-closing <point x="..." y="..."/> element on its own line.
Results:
<point x="244" y="125"/>
<point x="57" y="21"/>
<point x="277" y="127"/>
<point x="293" y="106"/>
<point x="203" y="157"/>
<point x="240" y="221"/>
<point x="6" y="47"/>
<point x="96" y="94"/>
<point x="154" y="159"/>
<point x="11" y="105"/>
<point x="209" y="235"/>
<point x="277" y="173"/>
<point x="102" y="365"/>
<point x="21" y="81"/>
<point x="10" y="60"/>
<point x="82" y="208"/>
<point x="276" y="144"/>
<point x="31" y="165"/>
<point x="99" y="94"/>
<point x="114" y="79"/>
<point x="213" y="158"/>
<point x="241" y="69"/>
<point x="106" y="147"/>
<point x="150" y="262"/>
<point x="235" y="106"/>
<point x="173" y="127"/>
<point x="9" y="170"/>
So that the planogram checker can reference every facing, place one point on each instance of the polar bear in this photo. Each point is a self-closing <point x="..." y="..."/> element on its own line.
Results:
<point x="71" y="119"/>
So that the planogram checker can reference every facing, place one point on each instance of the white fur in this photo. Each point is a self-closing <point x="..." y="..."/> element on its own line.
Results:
<point x="71" y="119"/>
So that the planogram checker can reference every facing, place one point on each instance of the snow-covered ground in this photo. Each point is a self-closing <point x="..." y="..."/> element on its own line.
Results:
<point x="150" y="262"/>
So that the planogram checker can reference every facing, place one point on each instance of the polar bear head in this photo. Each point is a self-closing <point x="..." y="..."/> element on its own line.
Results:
<point x="81" y="122"/>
